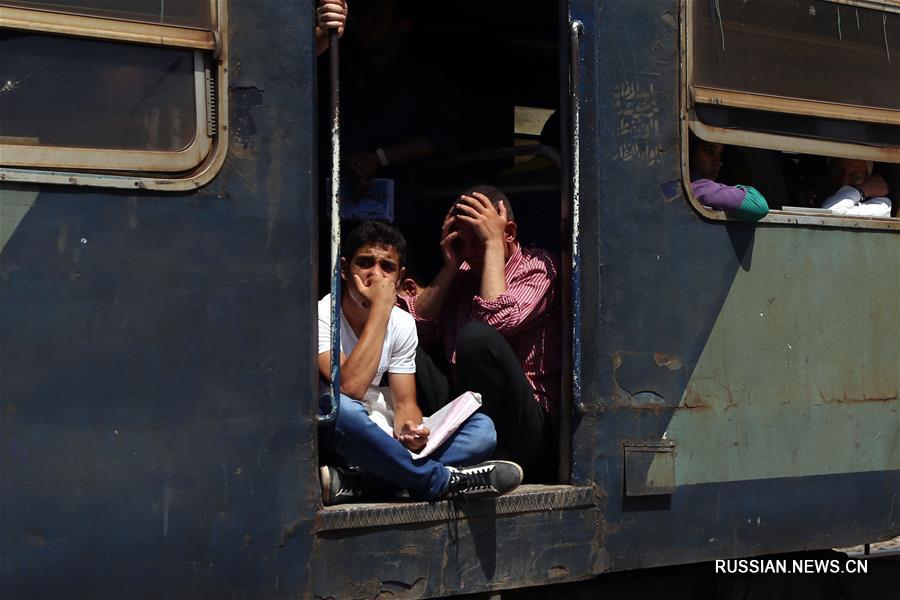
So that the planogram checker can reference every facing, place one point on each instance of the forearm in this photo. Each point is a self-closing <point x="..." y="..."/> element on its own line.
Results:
<point x="429" y="302"/>
<point x="493" y="277"/>
<point x="322" y="41"/>
<point x="406" y="411"/>
<point x="876" y="207"/>
<point x="358" y="370"/>
<point x="842" y="200"/>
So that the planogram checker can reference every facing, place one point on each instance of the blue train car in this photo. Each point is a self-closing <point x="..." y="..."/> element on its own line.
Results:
<point x="730" y="387"/>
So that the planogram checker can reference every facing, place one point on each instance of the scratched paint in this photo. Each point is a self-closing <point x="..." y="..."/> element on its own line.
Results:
<point x="635" y="104"/>
<point x="773" y="395"/>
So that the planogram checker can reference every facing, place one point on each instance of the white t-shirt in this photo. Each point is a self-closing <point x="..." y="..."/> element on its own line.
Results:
<point x="398" y="355"/>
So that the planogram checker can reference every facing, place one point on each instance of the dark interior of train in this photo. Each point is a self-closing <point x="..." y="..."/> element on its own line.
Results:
<point x="477" y="81"/>
<point x="456" y="94"/>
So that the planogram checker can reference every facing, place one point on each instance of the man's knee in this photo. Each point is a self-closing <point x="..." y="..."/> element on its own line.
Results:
<point x="475" y="338"/>
<point x="484" y="435"/>
<point x="351" y="414"/>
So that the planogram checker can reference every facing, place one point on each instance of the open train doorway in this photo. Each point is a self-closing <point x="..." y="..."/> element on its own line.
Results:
<point x="436" y="99"/>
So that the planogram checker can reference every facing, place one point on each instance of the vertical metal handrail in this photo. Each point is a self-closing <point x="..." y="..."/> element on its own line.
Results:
<point x="576" y="28"/>
<point x="334" y="72"/>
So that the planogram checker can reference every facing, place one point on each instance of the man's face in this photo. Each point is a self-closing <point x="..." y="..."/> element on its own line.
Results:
<point x="468" y="246"/>
<point x="847" y="171"/>
<point x="370" y="261"/>
<point x="706" y="159"/>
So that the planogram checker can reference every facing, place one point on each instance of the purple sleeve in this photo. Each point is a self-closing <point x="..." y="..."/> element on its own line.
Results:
<point x="718" y="196"/>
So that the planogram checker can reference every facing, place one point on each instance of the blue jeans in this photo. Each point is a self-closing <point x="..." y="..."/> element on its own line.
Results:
<point x="365" y="445"/>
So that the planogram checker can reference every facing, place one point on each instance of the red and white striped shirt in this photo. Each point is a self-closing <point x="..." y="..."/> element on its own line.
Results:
<point x="527" y="314"/>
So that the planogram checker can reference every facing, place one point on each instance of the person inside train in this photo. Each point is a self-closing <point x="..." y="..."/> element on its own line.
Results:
<point x="855" y="191"/>
<point x="377" y="425"/>
<point x="744" y="202"/>
<point x="330" y="14"/>
<point x="496" y="307"/>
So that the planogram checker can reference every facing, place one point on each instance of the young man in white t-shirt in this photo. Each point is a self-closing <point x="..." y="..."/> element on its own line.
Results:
<point x="377" y="425"/>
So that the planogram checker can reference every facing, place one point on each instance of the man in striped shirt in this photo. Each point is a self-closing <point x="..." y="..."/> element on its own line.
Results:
<point x="496" y="306"/>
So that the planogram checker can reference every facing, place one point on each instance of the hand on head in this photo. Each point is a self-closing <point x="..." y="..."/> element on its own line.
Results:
<point x="449" y="235"/>
<point x="477" y="211"/>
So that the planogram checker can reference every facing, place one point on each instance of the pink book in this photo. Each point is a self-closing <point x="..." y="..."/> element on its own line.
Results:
<point x="447" y="420"/>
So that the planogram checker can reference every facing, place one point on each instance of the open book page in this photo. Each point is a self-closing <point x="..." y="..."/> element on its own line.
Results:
<point x="447" y="420"/>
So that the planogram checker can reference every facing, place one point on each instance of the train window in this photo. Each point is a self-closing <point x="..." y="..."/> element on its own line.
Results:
<point x="135" y="114"/>
<point x="785" y="87"/>
<point x="125" y="97"/>
<point x="812" y="51"/>
<point x="187" y="13"/>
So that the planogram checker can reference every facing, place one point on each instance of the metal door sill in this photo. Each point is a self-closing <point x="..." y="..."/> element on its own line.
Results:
<point x="527" y="498"/>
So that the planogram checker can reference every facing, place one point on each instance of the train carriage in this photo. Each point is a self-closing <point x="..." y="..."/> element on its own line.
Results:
<point x="730" y="387"/>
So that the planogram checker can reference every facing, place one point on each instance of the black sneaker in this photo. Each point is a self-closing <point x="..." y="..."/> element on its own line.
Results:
<point x="485" y="480"/>
<point x="340" y="485"/>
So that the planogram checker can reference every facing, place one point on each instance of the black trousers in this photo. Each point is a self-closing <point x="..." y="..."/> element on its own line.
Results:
<point x="485" y="363"/>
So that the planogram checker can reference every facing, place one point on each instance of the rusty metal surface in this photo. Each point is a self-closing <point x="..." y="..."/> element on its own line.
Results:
<point x="155" y="350"/>
<point x="526" y="499"/>
<point x="675" y="301"/>
<point x="423" y="560"/>
<point x="649" y="467"/>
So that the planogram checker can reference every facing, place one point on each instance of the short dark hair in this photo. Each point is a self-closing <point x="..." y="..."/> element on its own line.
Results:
<point x="495" y="196"/>
<point x="374" y="233"/>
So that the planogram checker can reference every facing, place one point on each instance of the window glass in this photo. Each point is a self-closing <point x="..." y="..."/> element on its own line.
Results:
<point x="806" y="49"/>
<point x="106" y="95"/>
<point x="186" y="13"/>
<point x="871" y="134"/>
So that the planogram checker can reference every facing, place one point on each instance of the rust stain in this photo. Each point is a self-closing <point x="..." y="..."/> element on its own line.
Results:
<point x="693" y="400"/>
<point x="557" y="571"/>
<point x="846" y="399"/>
<point x="670" y="361"/>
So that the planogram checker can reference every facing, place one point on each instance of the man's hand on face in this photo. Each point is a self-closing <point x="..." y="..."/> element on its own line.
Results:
<point x="875" y="186"/>
<point x="477" y="211"/>
<point x="413" y="437"/>
<point x="377" y="292"/>
<point x="448" y="236"/>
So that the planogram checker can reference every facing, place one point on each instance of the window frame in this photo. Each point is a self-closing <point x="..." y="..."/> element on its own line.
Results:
<point x="784" y="104"/>
<point x="184" y="169"/>
<point x="772" y="141"/>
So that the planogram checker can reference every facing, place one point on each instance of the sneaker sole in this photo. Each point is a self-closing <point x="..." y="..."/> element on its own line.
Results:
<point x="325" y="476"/>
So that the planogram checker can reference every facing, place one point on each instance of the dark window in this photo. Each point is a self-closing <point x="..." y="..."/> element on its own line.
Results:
<point x="69" y="92"/>
<point x="809" y="50"/>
